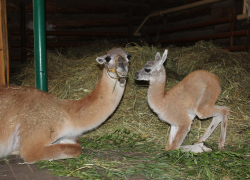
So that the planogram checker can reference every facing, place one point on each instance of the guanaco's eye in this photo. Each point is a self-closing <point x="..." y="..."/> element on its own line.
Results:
<point x="147" y="70"/>
<point x="108" y="58"/>
<point x="128" y="56"/>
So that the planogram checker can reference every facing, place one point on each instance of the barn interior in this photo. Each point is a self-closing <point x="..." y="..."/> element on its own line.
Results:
<point x="200" y="34"/>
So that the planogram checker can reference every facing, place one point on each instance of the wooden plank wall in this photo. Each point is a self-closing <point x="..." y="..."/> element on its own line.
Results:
<point x="116" y="21"/>
<point x="99" y="19"/>
<point x="210" y="12"/>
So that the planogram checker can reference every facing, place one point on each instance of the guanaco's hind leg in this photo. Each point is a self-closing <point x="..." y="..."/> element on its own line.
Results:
<point x="51" y="152"/>
<point x="220" y="115"/>
<point x="206" y="108"/>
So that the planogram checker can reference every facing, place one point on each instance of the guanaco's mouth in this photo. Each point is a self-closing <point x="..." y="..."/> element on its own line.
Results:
<point x="122" y="81"/>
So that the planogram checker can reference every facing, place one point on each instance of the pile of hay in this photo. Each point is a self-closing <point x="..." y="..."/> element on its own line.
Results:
<point x="73" y="74"/>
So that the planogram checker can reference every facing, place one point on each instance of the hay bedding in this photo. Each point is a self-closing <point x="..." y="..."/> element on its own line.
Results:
<point x="73" y="74"/>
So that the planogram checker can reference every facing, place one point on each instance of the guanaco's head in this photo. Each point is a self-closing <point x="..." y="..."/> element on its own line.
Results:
<point x="116" y="63"/>
<point x="152" y="68"/>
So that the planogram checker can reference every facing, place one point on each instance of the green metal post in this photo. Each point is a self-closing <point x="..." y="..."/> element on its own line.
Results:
<point x="40" y="44"/>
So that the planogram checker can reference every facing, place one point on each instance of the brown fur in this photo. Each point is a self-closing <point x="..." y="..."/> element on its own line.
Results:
<point x="42" y="127"/>
<point x="195" y="95"/>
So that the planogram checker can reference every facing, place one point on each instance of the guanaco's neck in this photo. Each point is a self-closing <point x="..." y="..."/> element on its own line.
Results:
<point x="156" y="90"/>
<point x="94" y="109"/>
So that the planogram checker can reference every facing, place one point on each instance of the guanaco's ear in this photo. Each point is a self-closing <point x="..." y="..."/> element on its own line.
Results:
<point x="160" y="60"/>
<point x="158" y="56"/>
<point x="164" y="56"/>
<point x="103" y="59"/>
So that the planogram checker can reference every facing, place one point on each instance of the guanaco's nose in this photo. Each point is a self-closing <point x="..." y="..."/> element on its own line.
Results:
<point x="122" y="66"/>
<point x="124" y="73"/>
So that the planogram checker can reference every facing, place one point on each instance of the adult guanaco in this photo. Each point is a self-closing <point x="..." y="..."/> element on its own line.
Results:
<point x="41" y="126"/>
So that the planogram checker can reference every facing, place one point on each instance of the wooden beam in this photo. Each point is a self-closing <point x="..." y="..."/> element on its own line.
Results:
<point x="171" y="10"/>
<point x="23" y="31"/>
<point x="85" y="7"/>
<point x="4" y="51"/>
<point x="244" y="11"/>
<point x="72" y="21"/>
